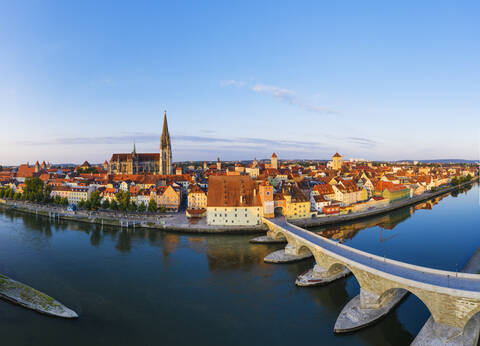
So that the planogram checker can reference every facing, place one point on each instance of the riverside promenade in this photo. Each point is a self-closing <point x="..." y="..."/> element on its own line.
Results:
<point x="178" y="222"/>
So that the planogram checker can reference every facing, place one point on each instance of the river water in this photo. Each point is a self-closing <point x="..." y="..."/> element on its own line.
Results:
<point x="156" y="288"/>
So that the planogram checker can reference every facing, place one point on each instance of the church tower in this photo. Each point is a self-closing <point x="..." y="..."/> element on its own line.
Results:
<point x="165" y="149"/>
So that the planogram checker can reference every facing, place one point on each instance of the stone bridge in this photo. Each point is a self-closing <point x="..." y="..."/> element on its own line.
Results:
<point x="452" y="298"/>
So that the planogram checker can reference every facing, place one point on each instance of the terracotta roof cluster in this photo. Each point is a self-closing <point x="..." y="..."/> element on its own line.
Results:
<point x="25" y="171"/>
<point x="349" y="186"/>
<point x="324" y="189"/>
<point x="195" y="188"/>
<point x="382" y="185"/>
<point x="232" y="191"/>
<point x="296" y="194"/>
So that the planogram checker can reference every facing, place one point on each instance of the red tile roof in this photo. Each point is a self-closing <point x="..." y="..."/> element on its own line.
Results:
<point x="232" y="191"/>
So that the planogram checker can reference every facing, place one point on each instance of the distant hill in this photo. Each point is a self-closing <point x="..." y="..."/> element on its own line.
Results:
<point x="441" y="161"/>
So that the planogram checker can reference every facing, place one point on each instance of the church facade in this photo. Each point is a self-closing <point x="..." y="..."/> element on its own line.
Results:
<point x="145" y="163"/>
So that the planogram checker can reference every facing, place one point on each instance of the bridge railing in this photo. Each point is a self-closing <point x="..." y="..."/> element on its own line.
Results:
<point x="445" y="273"/>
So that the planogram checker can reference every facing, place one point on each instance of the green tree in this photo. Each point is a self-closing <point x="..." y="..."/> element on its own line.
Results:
<point x="34" y="189"/>
<point x="11" y="193"/>
<point x="95" y="200"/>
<point x="87" y="170"/>
<point x="17" y="196"/>
<point x="162" y="209"/>
<point x="57" y="200"/>
<point x="152" y="206"/>
<point x="88" y="205"/>
<point x="123" y="199"/>
<point x="132" y="206"/>
<point x="81" y="204"/>
<point x="64" y="201"/>
<point x="142" y="207"/>
<point x="114" y="205"/>
<point x="106" y="204"/>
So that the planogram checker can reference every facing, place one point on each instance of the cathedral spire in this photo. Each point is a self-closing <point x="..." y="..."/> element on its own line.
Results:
<point x="165" y="139"/>
<point x="165" y="149"/>
<point x="134" y="148"/>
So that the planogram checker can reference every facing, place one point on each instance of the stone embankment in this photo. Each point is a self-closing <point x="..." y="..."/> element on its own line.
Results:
<point x="178" y="222"/>
<point x="30" y="298"/>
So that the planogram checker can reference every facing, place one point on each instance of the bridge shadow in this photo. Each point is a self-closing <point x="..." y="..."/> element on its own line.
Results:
<point x="399" y="327"/>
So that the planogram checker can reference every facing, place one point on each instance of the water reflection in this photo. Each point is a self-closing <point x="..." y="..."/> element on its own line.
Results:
<point x="219" y="256"/>
<point x="130" y="280"/>
<point x="347" y="231"/>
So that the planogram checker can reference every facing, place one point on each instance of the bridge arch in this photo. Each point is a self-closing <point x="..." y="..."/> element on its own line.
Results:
<point x="474" y="314"/>
<point x="304" y="250"/>
<point x="337" y="267"/>
<point x="388" y="293"/>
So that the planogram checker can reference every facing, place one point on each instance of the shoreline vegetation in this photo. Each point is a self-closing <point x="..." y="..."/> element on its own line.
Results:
<point x="174" y="221"/>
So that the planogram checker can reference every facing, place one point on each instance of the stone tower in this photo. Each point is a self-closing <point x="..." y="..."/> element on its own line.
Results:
<point x="273" y="161"/>
<point x="165" y="149"/>
<point x="337" y="161"/>
<point x="266" y="196"/>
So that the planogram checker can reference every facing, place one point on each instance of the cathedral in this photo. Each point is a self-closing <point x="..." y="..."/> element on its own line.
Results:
<point x="145" y="163"/>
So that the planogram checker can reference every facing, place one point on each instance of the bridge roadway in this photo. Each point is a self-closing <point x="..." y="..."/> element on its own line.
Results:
<point x="440" y="278"/>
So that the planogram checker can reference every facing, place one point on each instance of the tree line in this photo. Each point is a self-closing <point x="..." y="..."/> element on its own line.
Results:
<point x="460" y="180"/>
<point x="36" y="191"/>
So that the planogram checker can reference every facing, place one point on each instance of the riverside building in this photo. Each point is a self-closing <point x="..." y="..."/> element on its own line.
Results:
<point x="234" y="201"/>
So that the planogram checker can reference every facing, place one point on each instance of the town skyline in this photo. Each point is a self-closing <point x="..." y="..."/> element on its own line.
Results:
<point x="78" y="84"/>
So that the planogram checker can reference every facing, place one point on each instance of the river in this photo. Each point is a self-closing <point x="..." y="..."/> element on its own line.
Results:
<point x="158" y="288"/>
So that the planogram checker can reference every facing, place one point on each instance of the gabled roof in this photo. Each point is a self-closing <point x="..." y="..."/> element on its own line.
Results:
<point x="232" y="191"/>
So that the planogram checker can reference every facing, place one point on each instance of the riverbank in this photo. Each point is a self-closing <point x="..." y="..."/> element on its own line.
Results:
<point x="328" y="220"/>
<point x="178" y="222"/>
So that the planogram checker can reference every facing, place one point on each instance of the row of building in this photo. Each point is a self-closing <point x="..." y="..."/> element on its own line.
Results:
<point x="241" y="194"/>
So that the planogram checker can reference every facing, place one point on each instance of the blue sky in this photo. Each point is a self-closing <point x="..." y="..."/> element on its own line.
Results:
<point x="370" y="79"/>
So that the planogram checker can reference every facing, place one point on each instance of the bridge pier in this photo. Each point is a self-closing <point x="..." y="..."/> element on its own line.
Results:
<point x="434" y="333"/>
<point x="270" y="238"/>
<point x="291" y="253"/>
<point x="318" y="275"/>
<point x="367" y="308"/>
<point x="452" y="298"/>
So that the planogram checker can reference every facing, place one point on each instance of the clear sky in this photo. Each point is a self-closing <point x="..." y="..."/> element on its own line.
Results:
<point x="384" y="80"/>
